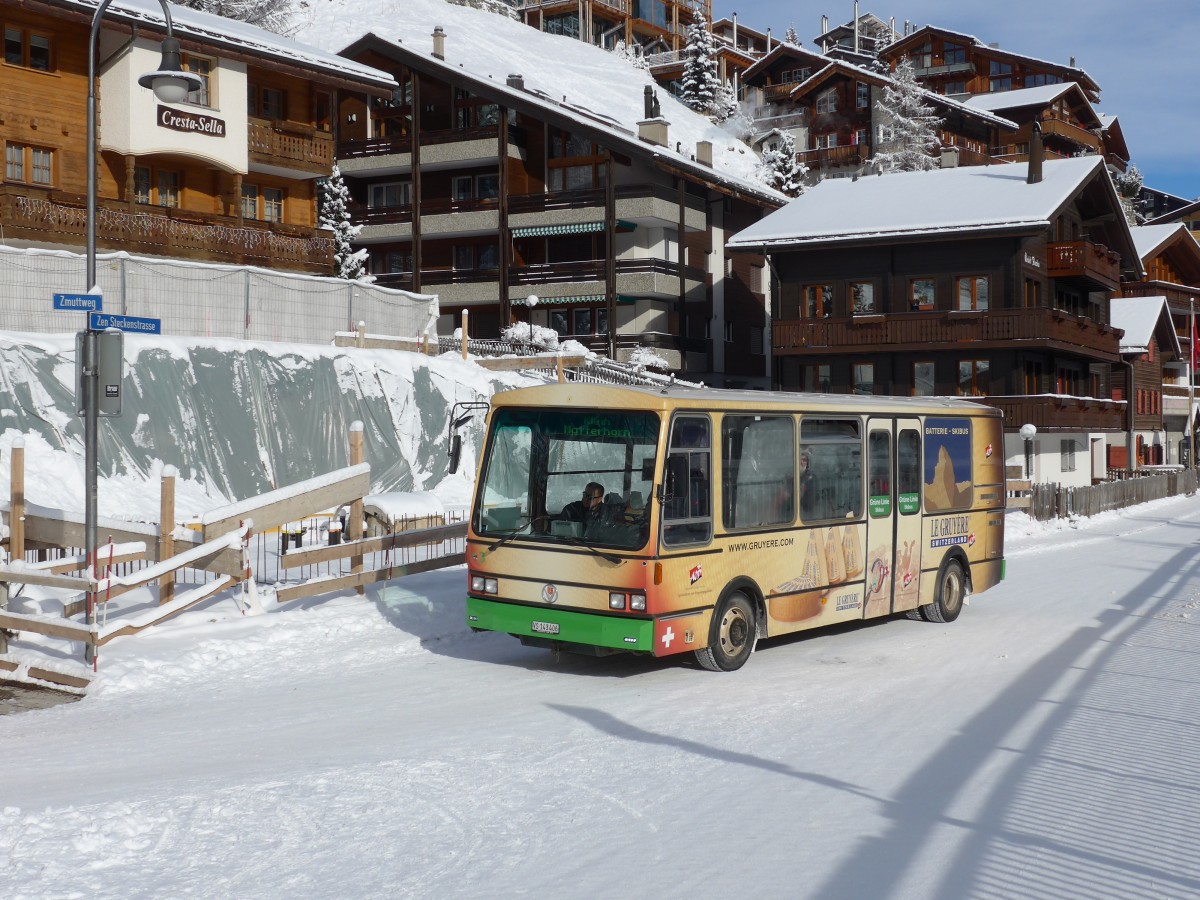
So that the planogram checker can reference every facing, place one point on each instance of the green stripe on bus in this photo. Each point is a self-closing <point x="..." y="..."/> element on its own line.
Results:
<point x="618" y="632"/>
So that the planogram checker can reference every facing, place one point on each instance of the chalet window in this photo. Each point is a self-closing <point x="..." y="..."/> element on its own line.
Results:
<point x="827" y="141"/>
<point x="567" y="24"/>
<point x="487" y="187"/>
<point x="602" y="321"/>
<point x="461" y="187"/>
<point x="955" y="87"/>
<point x="26" y="49"/>
<point x="921" y="294"/>
<point x="815" y="379"/>
<point x="1033" y="378"/>
<point x="252" y="104"/>
<point x="202" y="68"/>
<point x="973" y="377"/>
<point x="1001" y="76"/>
<point x="1033" y="293"/>
<point x="922" y="379"/>
<point x="954" y="54"/>
<point x="582" y="321"/>
<point x="274" y="104"/>
<point x="862" y="95"/>
<point x="862" y="297"/>
<point x="757" y="341"/>
<point x="464" y="256"/>
<point x="859" y="138"/>
<point x="394" y="261"/>
<point x="249" y="201"/>
<point x="14" y="161"/>
<point x="1068" y="455"/>
<point x="827" y="102"/>
<point x="323" y="110"/>
<point x="141" y="185"/>
<point x="818" y="301"/>
<point x="273" y="204"/>
<point x="1041" y="79"/>
<point x="489" y="257"/>
<point x="389" y="194"/>
<point x="32" y="165"/>
<point x="168" y="189"/>
<point x="864" y="378"/>
<point x="559" y="321"/>
<point x="922" y="57"/>
<point x="43" y="166"/>
<point x="972" y="292"/>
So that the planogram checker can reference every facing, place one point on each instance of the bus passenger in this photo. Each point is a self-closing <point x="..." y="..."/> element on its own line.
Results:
<point x="808" y="493"/>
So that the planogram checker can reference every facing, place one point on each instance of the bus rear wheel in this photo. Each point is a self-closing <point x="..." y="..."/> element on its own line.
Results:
<point x="951" y="590"/>
<point x="734" y="634"/>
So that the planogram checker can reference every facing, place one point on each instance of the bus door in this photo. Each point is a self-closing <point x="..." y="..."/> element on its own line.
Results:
<point x="893" y="516"/>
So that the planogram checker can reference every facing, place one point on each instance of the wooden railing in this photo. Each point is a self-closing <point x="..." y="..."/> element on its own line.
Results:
<point x="277" y="143"/>
<point x="1055" y="412"/>
<point x="1071" y="132"/>
<point x="935" y="329"/>
<point x="1084" y="260"/>
<point x="31" y="214"/>
<point x="850" y="155"/>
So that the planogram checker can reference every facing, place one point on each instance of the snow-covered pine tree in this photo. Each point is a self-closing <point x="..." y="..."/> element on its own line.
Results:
<point x="1129" y="189"/>
<point x="632" y="55"/>
<point x="273" y="15"/>
<point x="781" y="169"/>
<point x="500" y="7"/>
<point x="725" y="106"/>
<point x="909" y="126"/>
<point x="699" y="89"/>
<point x="348" y="263"/>
<point x="790" y="35"/>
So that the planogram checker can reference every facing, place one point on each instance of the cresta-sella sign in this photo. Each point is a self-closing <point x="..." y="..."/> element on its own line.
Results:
<point x="182" y="120"/>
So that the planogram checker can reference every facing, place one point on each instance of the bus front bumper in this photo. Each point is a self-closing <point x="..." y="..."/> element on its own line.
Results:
<point x="563" y="625"/>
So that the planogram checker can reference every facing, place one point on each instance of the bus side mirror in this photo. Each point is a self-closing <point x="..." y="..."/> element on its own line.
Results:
<point x="455" y="452"/>
<point x="457" y="421"/>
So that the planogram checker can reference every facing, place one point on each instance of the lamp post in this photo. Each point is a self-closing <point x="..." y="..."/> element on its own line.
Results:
<point x="171" y="85"/>
<point x="1028" y="430"/>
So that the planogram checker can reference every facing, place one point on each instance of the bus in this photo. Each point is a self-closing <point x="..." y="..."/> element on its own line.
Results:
<point x="692" y="520"/>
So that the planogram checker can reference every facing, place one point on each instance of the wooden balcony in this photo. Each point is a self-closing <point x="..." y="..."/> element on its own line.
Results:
<point x="54" y="217"/>
<point x="1091" y="266"/>
<point x="1071" y="132"/>
<point x="833" y="157"/>
<point x="938" y="330"/>
<point x="290" y="145"/>
<point x="1054" y="412"/>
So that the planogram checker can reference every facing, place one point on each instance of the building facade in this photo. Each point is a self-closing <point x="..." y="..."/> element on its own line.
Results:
<point x="229" y="175"/>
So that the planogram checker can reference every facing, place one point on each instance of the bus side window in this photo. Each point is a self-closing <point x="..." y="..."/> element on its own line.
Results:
<point x="831" y="462"/>
<point x="908" y="471"/>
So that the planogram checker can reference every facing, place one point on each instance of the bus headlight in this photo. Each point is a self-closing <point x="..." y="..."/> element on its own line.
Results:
<point x="638" y="602"/>
<point x="477" y="584"/>
<point x="481" y="585"/>
<point x="616" y="600"/>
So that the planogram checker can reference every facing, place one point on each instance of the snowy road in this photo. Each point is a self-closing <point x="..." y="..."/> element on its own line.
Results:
<point x="1045" y="745"/>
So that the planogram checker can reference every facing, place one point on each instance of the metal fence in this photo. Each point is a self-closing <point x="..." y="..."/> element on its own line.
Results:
<point x="205" y="300"/>
<point x="1050" y="501"/>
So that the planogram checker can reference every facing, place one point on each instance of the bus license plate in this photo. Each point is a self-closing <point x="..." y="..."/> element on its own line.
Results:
<point x="545" y="627"/>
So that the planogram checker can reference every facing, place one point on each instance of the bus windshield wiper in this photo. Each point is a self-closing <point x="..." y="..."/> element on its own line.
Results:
<point x="580" y="542"/>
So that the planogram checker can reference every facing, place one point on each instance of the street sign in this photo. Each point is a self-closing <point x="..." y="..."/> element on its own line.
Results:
<point x="79" y="302"/>
<point x="136" y="324"/>
<point x="110" y="369"/>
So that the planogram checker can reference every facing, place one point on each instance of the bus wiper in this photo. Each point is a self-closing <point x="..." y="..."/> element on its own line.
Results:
<point x="580" y="542"/>
<point x="513" y="534"/>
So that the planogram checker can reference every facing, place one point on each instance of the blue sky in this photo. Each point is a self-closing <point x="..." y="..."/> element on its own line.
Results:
<point x="1143" y="58"/>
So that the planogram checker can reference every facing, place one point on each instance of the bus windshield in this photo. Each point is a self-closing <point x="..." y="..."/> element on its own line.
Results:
<point x="568" y="476"/>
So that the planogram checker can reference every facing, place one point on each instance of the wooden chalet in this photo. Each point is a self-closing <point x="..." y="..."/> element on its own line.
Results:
<point x="228" y="176"/>
<point x="857" y="41"/>
<point x="521" y="206"/>
<point x="989" y="282"/>
<point x="949" y="62"/>
<point x="656" y="26"/>
<point x="1148" y="344"/>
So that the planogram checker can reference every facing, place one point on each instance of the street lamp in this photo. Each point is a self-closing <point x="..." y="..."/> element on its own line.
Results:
<point x="171" y="85"/>
<point x="1028" y="430"/>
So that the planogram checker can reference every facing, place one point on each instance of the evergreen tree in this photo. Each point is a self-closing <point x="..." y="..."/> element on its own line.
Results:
<point x="909" y="126"/>
<point x="699" y="67"/>
<point x="273" y="15"/>
<point x="790" y="35"/>
<point x="1129" y="188"/>
<point x="335" y="196"/>
<point x="725" y="106"/>
<point x="781" y="169"/>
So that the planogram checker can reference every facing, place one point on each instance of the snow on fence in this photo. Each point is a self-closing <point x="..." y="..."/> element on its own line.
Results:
<point x="241" y="545"/>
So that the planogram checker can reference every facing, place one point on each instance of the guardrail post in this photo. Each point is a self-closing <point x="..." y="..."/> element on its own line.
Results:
<point x="166" y="538"/>
<point x="361" y="340"/>
<point x="465" y="314"/>
<point x="16" y="524"/>
<point x="356" y="507"/>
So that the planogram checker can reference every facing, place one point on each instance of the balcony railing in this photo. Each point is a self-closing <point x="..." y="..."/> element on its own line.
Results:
<point x="593" y="270"/>
<point x="540" y="202"/>
<point x="943" y="69"/>
<point x="380" y="146"/>
<point x="827" y="157"/>
<point x="61" y="218"/>
<point x="1084" y="261"/>
<point x="1058" y="413"/>
<point x="946" y="330"/>
<point x="272" y="141"/>
<point x="1071" y="132"/>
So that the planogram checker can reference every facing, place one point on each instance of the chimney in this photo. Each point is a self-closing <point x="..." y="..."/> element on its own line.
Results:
<point x="824" y="24"/>
<point x="856" y="47"/>
<point x="734" y="18"/>
<point x="439" y="42"/>
<point x="704" y="153"/>
<point x="1072" y="62"/>
<point x="1035" y="154"/>
<point x="768" y="38"/>
<point x="653" y="128"/>
<point x="516" y="81"/>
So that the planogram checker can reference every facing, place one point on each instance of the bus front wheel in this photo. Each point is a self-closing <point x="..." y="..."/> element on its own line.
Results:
<point x="951" y="590"/>
<point x="734" y="634"/>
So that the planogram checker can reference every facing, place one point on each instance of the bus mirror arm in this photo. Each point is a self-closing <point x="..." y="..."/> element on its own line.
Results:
<point x="457" y="421"/>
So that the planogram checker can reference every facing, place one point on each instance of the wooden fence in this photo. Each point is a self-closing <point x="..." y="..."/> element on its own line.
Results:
<point x="101" y="603"/>
<point x="1049" y="501"/>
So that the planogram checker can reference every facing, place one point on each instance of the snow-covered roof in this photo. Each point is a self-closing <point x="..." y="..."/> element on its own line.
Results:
<point x="1139" y="317"/>
<point x="1150" y="238"/>
<point x="559" y="73"/>
<point x="218" y="31"/>
<point x="913" y="204"/>
<point x="1034" y="96"/>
